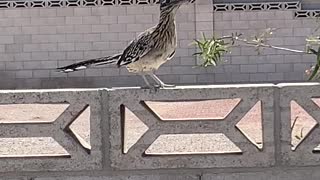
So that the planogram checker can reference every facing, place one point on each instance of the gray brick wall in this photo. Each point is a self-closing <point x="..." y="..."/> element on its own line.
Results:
<point x="271" y="65"/>
<point x="35" y="41"/>
<point x="307" y="4"/>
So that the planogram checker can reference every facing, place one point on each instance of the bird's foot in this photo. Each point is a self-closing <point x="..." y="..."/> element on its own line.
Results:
<point x="164" y="86"/>
<point x="153" y="89"/>
<point x="147" y="87"/>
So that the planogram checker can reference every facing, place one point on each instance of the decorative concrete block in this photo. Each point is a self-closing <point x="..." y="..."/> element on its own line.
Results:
<point x="81" y="156"/>
<point x="135" y="158"/>
<point x="305" y="95"/>
<point x="123" y="177"/>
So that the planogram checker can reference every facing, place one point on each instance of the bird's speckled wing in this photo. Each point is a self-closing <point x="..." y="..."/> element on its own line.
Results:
<point x="137" y="48"/>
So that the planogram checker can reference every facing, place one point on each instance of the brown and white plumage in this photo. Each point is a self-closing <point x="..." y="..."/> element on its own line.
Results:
<point x="146" y="53"/>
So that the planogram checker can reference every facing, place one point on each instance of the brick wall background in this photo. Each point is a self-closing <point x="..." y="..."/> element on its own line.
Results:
<point x="245" y="65"/>
<point x="306" y="4"/>
<point x="35" y="40"/>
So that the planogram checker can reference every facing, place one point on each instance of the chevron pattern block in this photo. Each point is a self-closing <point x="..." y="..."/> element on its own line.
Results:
<point x="209" y="128"/>
<point x="185" y="127"/>
<point x="50" y="127"/>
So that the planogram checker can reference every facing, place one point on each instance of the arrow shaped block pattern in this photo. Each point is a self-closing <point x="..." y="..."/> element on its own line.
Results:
<point x="187" y="144"/>
<point x="192" y="110"/>
<point x="80" y="128"/>
<point x="302" y="124"/>
<point x="251" y="125"/>
<point x="134" y="129"/>
<point x="31" y="113"/>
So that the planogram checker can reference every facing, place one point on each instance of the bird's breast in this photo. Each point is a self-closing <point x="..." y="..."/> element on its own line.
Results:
<point x="165" y="45"/>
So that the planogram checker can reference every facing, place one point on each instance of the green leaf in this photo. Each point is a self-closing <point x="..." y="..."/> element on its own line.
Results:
<point x="211" y="50"/>
<point x="316" y="69"/>
<point x="313" y="51"/>
<point x="197" y="53"/>
<point x="204" y="36"/>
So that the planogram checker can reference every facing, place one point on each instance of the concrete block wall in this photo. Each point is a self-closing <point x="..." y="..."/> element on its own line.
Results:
<point x="37" y="37"/>
<point x="104" y="158"/>
<point x="36" y="40"/>
<point x="244" y="64"/>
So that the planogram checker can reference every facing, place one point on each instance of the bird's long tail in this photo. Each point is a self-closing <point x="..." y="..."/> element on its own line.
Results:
<point x="91" y="62"/>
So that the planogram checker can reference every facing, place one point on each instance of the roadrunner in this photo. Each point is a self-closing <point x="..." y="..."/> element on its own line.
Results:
<point x="147" y="52"/>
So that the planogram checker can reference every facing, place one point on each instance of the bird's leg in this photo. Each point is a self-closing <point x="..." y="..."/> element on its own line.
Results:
<point x="159" y="82"/>
<point x="146" y="81"/>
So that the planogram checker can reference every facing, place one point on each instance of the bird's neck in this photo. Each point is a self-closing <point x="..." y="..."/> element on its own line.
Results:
<point x="167" y="18"/>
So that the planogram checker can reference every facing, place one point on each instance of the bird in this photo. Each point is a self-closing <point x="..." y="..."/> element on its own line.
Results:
<point x="148" y="51"/>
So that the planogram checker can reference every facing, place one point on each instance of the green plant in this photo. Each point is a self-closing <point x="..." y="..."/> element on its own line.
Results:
<point x="212" y="50"/>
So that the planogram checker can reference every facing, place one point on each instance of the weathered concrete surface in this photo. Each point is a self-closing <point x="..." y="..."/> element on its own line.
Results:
<point x="78" y="100"/>
<point x="279" y="174"/>
<point x="135" y="159"/>
<point x="106" y="161"/>
<point x="19" y="178"/>
<point x="132" y="177"/>
<point x="302" y="94"/>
